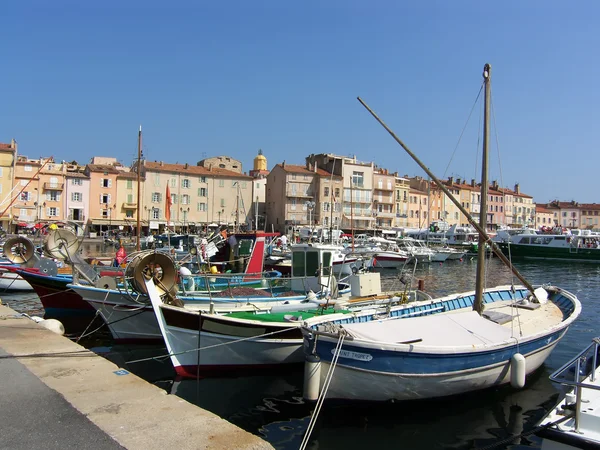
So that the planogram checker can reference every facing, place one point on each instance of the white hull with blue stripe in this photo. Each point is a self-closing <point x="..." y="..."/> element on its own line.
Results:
<point x="438" y="348"/>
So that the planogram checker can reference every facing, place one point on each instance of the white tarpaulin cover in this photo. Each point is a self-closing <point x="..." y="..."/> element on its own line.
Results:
<point x="439" y="330"/>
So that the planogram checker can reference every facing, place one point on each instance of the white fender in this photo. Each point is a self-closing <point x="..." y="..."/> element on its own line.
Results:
<point x="517" y="371"/>
<point x="312" y="377"/>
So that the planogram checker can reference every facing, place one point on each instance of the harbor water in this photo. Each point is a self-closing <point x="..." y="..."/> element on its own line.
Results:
<point x="272" y="407"/>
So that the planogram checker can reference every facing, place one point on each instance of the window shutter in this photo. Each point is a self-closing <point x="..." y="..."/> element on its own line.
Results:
<point x="100" y="198"/>
<point x="58" y="212"/>
<point x="109" y="202"/>
<point x="109" y="182"/>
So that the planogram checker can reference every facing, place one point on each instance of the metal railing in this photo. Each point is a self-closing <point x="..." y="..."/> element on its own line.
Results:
<point x="582" y="368"/>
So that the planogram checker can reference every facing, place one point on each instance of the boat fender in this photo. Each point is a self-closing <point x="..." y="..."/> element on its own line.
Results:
<point x="50" y="324"/>
<point x="517" y="371"/>
<point x="187" y="279"/>
<point x="541" y="295"/>
<point x="312" y="377"/>
<point x="312" y="297"/>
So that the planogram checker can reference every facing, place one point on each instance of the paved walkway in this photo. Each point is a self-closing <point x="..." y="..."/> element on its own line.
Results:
<point x="55" y="394"/>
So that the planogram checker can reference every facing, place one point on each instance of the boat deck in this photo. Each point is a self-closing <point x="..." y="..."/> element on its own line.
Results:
<point x="462" y="327"/>
<point x="527" y="320"/>
<point x="589" y="425"/>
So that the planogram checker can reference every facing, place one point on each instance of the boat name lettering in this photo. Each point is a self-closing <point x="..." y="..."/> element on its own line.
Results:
<point x="353" y="355"/>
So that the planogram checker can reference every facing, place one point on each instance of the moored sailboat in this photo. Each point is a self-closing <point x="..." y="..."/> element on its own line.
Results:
<point x="453" y="345"/>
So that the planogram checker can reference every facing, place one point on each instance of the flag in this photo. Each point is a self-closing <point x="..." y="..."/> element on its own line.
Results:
<point x="168" y="203"/>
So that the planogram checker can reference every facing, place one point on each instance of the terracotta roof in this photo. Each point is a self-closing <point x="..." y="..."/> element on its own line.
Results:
<point x="542" y="209"/>
<point x="76" y="175"/>
<point x="192" y="170"/>
<point x="592" y="206"/>
<point x="129" y="175"/>
<point x="5" y="146"/>
<point x="297" y="168"/>
<point x="103" y="168"/>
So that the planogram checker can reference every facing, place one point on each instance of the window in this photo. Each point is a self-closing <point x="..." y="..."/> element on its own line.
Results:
<point x="201" y="207"/>
<point x="129" y="184"/>
<point x="185" y="183"/>
<point x="337" y="192"/>
<point x="358" y="178"/>
<point x="244" y="184"/>
<point x="23" y="182"/>
<point x="202" y="192"/>
<point x="129" y="214"/>
<point x="185" y="199"/>
<point x="1" y="170"/>
<point x="25" y="196"/>
<point x="27" y="168"/>
<point x="222" y="202"/>
<point x="53" y="211"/>
<point x="105" y="199"/>
<point x="173" y="182"/>
<point x="174" y="199"/>
<point x="326" y="206"/>
<point x="293" y="207"/>
<point x="293" y="176"/>
<point x="156" y="197"/>
<point x="221" y="183"/>
<point x="326" y="192"/>
<point x="77" y="182"/>
<point x="53" y="196"/>
<point x="105" y="182"/>
<point x="129" y="198"/>
<point x="202" y="179"/>
<point x="156" y="179"/>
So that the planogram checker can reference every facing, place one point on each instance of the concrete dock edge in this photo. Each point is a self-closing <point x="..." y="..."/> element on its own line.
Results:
<point x="134" y="413"/>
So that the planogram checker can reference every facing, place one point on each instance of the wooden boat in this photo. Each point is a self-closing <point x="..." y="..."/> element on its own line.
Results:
<point x="212" y="343"/>
<point x="130" y="317"/>
<point x="451" y="345"/>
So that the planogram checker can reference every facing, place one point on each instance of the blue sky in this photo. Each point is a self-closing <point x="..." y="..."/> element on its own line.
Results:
<point x="227" y="78"/>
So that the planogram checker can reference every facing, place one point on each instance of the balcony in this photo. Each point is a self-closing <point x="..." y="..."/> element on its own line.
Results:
<point x="129" y="205"/>
<point x="299" y="194"/>
<point x="54" y="186"/>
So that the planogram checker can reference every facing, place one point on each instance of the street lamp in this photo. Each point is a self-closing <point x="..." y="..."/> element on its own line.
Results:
<point x="220" y="212"/>
<point x="185" y="213"/>
<point x="375" y="202"/>
<point x="310" y="206"/>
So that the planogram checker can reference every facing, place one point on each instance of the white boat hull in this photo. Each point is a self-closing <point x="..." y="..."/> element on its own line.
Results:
<point x="10" y="281"/>
<point x="352" y="384"/>
<point x="228" y="355"/>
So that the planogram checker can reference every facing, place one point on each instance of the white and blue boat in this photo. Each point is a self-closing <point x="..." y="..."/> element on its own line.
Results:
<point x="451" y="345"/>
<point x="440" y="347"/>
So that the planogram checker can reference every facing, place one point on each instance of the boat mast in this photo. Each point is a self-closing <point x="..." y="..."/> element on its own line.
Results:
<point x="139" y="162"/>
<point x="460" y="207"/>
<point x="481" y="250"/>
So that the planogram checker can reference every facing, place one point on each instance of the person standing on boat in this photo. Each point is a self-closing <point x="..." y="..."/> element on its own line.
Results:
<point x="283" y="239"/>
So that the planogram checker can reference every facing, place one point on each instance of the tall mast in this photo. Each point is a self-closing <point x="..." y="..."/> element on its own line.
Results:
<point x="453" y="199"/>
<point x="139" y="206"/>
<point x="481" y="250"/>
<point x="352" y="210"/>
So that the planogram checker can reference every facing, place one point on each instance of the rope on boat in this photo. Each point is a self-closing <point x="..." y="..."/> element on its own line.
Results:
<point x="534" y="430"/>
<point x="323" y="393"/>
<point x="211" y="346"/>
